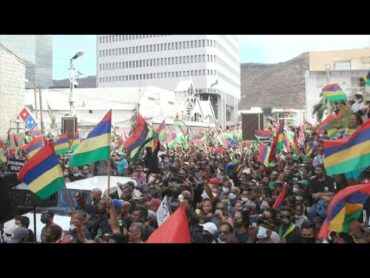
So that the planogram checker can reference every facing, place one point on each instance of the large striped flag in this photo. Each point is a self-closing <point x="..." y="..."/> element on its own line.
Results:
<point x="33" y="147"/>
<point x="346" y="205"/>
<point x="333" y="92"/>
<point x="264" y="154"/>
<point x="350" y="153"/>
<point x="263" y="134"/>
<point x="141" y="136"/>
<point x="96" y="146"/>
<point x="61" y="145"/>
<point x="277" y="145"/>
<point x="161" y="130"/>
<point x="75" y="141"/>
<point x="42" y="173"/>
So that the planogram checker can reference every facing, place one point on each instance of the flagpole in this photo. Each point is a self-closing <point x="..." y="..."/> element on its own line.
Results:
<point x="109" y="161"/>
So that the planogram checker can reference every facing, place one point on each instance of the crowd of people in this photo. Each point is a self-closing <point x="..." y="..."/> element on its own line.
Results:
<point x="229" y="196"/>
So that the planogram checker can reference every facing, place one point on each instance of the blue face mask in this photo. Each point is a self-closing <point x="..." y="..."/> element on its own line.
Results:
<point x="232" y="196"/>
<point x="43" y="220"/>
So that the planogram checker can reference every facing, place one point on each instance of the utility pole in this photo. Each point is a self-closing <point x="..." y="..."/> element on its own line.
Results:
<point x="35" y="95"/>
<point x="41" y="118"/>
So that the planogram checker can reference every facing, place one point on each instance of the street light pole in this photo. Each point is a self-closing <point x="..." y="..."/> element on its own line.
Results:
<point x="72" y="75"/>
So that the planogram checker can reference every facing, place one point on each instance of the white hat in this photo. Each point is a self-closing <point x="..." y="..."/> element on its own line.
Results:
<point x="210" y="227"/>
<point x="359" y="93"/>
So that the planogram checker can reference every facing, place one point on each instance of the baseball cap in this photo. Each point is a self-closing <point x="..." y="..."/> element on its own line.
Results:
<point x="214" y="181"/>
<point x="210" y="227"/>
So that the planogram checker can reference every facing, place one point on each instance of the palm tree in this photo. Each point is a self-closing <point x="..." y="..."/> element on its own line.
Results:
<point x="320" y="108"/>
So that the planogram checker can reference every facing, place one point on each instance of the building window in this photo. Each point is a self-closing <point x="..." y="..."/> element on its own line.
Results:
<point x="154" y="62"/>
<point x="177" y="74"/>
<point x="191" y="44"/>
<point x="204" y="43"/>
<point x="173" y="46"/>
<point x="180" y="45"/>
<point x="342" y="65"/>
<point x="176" y="45"/>
<point x="207" y="43"/>
<point x="195" y="59"/>
<point x="173" y="60"/>
<point x="195" y="73"/>
<point x="192" y="73"/>
<point x="154" y="48"/>
<point x="188" y="73"/>
<point x="177" y="60"/>
<point x="191" y="59"/>
<point x="204" y="72"/>
<point x="195" y="44"/>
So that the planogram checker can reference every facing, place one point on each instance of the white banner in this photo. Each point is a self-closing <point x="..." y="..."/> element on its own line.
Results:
<point x="163" y="211"/>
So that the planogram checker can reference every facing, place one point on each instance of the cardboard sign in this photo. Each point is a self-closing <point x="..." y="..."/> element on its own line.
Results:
<point x="14" y="165"/>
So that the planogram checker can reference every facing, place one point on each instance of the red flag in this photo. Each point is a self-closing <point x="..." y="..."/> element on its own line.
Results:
<point x="281" y="197"/>
<point x="278" y="139"/>
<point x="174" y="230"/>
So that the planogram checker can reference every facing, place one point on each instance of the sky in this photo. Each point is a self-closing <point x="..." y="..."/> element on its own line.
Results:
<point x="253" y="48"/>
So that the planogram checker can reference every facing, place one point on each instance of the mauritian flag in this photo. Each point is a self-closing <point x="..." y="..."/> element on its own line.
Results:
<point x="333" y="92"/>
<point x="346" y="205"/>
<point x="61" y="145"/>
<point x="42" y="173"/>
<point x="277" y="145"/>
<point x="33" y="147"/>
<point x="96" y="146"/>
<point x="75" y="141"/>
<point x="264" y="154"/>
<point x="263" y="134"/>
<point x="348" y="154"/>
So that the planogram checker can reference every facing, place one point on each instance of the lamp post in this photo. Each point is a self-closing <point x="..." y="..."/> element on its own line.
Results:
<point x="72" y="82"/>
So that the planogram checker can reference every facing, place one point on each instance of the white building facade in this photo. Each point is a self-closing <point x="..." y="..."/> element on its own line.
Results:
<point x="347" y="68"/>
<point x="211" y="62"/>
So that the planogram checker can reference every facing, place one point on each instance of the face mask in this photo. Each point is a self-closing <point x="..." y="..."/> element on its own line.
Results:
<point x="65" y="173"/>
<point x="151" y="179"/>
<point x="225" y="189"/>
<point x="298" y="198"/>
<point x="237" y="225"/>
<point x="295" y="190"/>
<point x="75" y="174"/>
<point x="300" y="173"/>
<point x="72" y="228"/>
<point x="43" y="220"/>
<point x="244" y="199"/>
<point x="308" y="239"/>
<point x="262" y="232"/>
<point x="232" y="196"/>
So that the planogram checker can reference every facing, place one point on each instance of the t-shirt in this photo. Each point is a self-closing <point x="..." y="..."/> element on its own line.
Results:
<point x="316" y="186"/>
<point x="121" y="166"/>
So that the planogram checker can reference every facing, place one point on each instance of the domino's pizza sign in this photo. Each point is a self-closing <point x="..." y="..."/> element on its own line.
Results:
<point x="29" y="120"/>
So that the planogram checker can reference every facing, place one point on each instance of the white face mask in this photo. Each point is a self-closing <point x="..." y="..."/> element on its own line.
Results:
<point x="225" y="189"/>
<point x="232" y="196"/>
<point x="295" y="190"/>
<point x="244" y="199"/>
<point x="262" y="232"/>
<point x="151" y="179"/>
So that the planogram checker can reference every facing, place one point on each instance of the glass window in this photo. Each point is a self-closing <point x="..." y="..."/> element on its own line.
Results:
<point x="191" y="44"/>
<point x="180" y="73"/>
<point x="191" y="59"/>
<point x="161" y="74"/>
<point x="165" y="75"/>
<point x="208" y="72"/>
<point x="154" y="62"/>
<point x="196" y="73"/>
<point x="184" y="73"/>
<point x="203" y="43"/>
<point x="147" y="48"/>
<point x="188" y="73"/>
<point x="177" y="74"/>
<point x="195" y="59"/>
<point x="154" y="48"/>
<point x="151" y="62"/>
<point x="187" y="59"/>
<point x="176" y="45"/>
<point x="177" y="60"/>
<point x="180" y="45"/>
<point x="204" y="72"/>
<point x="192" y="73"/>
<point x="173" y="61"/>
<point x="180" y="60"/>
<point x="173" y="46"/>
<point x="207" y="58"/>
<point x="195" y="44"/>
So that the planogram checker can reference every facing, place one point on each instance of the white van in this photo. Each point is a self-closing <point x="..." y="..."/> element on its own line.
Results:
<point x="62" y="211"/>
